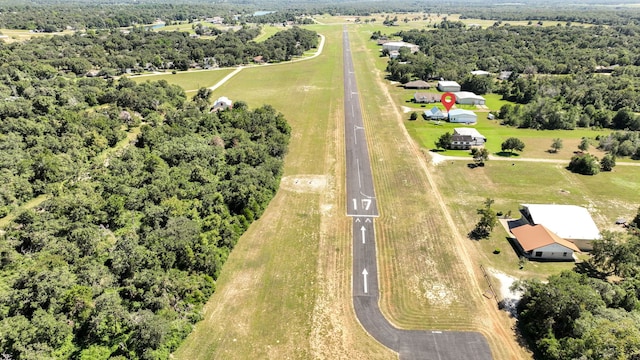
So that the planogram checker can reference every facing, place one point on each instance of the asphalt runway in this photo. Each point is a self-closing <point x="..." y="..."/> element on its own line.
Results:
<point x="363" y="207"/>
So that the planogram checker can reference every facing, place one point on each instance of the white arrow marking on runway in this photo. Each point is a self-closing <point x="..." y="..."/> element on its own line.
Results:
<point x="357" y="219"/>
<point x="363" y="231"/>
<point x="364" y="274"/>
<point x="367" y="220"/>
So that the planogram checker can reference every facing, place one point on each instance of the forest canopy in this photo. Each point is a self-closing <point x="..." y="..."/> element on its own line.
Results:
<point x="125" y="249"/>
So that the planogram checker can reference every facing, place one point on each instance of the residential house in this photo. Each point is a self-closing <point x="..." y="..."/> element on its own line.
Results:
<point x="538" y="242"/>
<point x="418" y="84"/>
<point x="448" y="86"/>
<point x="434" y="113"/>
<point x="462" y="116"/>
<point x="426" y="97"/>
<point x="465" y="138"/>
<point x="570" y="222"/>
<point x="468" y="98"/>
<point x="394" y="54"/>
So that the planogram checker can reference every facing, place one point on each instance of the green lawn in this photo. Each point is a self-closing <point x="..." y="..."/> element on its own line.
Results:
<point x="537" y="142"/>
<point x="268" y="31"/>
<point x="608" y="196"/>
<point x="190" y="81"/>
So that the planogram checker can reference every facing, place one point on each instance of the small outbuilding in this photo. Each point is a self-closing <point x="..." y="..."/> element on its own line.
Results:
<point x="434" y="113"/>
<point x="465" y="138"/>
<point x="468" y="98"/>
<point x="417" y="84"/>
<point x="223" y="103"/>
<point x="538" y="242"/>
<point x="480" y="73"/>
<point x="421" y="97"/>
<point x="462" y="116"/>
<point x="450" y="86"/>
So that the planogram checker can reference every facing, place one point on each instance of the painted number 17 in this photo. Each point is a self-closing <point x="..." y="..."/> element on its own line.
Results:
<point x="366" y="204"/>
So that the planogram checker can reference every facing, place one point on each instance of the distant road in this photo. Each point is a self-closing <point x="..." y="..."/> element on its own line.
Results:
<point x="363" y="207"/>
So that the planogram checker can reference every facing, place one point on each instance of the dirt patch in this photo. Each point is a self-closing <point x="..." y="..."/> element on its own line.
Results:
<point x="509" y="297"/>
<point x="305" y="183"/>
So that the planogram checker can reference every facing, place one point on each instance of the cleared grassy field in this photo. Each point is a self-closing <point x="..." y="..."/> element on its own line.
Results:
<point x="12" y="35"/>
<point x="190" y="81"/>
<point x="268" y="31"/>
<point x="608" y="196"/>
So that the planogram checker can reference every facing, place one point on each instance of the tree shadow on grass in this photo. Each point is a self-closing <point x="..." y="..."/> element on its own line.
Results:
<point x="507" y="154"/>
<point x="588" y="269"/>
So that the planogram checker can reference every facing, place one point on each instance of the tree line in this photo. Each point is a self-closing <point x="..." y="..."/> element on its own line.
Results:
<point x="115" y="52"/>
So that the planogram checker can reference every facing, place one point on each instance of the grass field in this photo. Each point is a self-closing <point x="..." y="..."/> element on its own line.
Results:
<point x="190" y="81"/>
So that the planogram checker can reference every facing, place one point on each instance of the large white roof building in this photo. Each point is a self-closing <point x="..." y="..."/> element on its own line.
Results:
<point x="570" y="222"/>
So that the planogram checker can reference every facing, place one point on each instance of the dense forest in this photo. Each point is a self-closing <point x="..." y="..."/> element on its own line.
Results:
<point x="53" y="15"/>
<point x="592" y="312"/>
<point x="115" y="52"/>
<point x="123" y="247"/>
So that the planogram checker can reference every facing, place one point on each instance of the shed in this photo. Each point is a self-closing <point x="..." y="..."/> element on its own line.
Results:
<point x="538" y="242"/>
<point x="480" y="73"/>
<point x="452" y="86"/>
<point x="468" y="98"/>
<point x="462" y="116"/>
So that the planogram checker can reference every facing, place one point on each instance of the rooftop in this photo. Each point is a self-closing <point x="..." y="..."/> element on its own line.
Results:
<point x="461" y="112"/>
<point x="537" y="236"/>
<point x="447" y="83"/>
<point x="468" y="132"/>
<point x="566" y="221"/>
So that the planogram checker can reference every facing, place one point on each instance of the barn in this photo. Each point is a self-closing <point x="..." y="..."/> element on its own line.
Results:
<point x="462" y="116"/>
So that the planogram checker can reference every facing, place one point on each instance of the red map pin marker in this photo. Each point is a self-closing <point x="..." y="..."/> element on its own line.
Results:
<point x="448" y="99"/>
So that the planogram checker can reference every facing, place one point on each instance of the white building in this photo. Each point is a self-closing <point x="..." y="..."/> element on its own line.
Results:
<point x="462" y="116"/>
<point x="570" y="222"/>
<point x="465" y="138"/>
<point x="468" y="98"/>
<point x="480" y="73"/>
<point x="538" y="242"/>
<point x="451" y="86"/>
<point x="223" y="103"/>
<point x="397" y="45"/>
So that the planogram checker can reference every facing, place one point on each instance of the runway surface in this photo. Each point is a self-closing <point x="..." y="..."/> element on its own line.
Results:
<point x="362" y="206"/>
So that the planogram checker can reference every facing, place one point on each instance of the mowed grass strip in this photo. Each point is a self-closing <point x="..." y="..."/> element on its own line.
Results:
<point x="285" y="290"/>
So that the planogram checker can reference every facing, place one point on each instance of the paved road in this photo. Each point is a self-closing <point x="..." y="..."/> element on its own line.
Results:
<point x="363" y="207"/>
